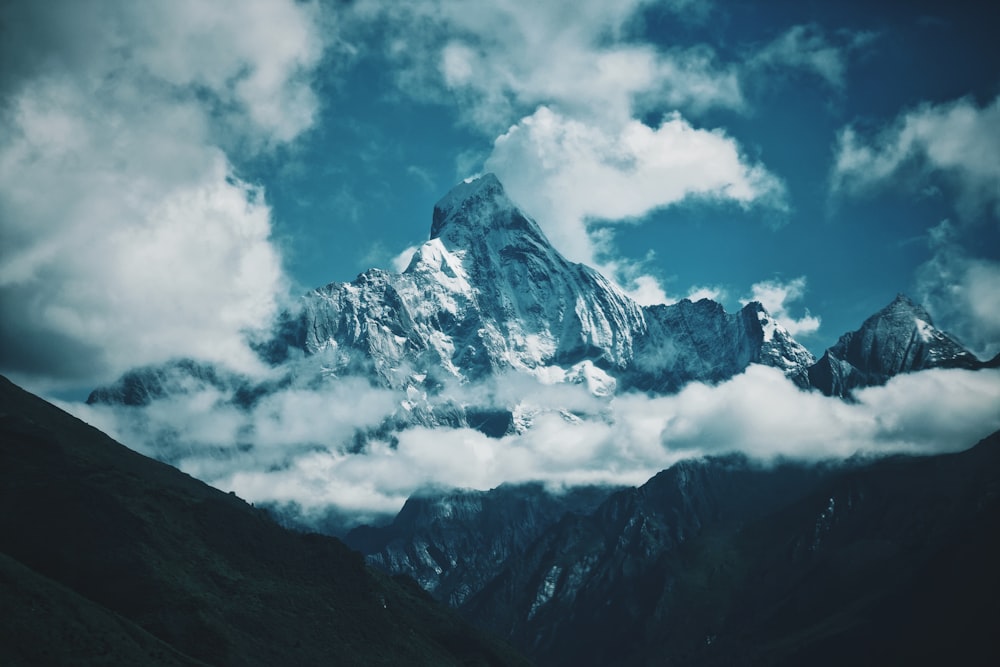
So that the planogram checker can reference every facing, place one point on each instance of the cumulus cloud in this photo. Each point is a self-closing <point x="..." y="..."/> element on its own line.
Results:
<point x="777" y="297"/>
<point x="128" y="235"/>
<point x="962" y="291"/>
<point x="648" y="290"/>
<point x="297" y="446"/>
<point x="567" y="173"/>
<point x="956" y="144"/>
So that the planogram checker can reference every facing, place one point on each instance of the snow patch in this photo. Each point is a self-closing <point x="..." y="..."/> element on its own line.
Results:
<point x="598" y="382"/>
<point x="546" y="590"/>
<point x="768" y="325"/>
<point x="924" y="330"/>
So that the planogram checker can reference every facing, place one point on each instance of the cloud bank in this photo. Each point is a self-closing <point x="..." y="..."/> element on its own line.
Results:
<point x="299" y="447"/>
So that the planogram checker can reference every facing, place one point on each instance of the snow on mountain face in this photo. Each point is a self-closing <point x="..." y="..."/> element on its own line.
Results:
<point x="488" y="293"/>
<point x="900" y="338"/>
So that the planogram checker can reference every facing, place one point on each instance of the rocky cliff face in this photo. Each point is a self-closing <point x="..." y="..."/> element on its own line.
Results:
<point x="900" y="338"/>
<point x="487" y="293"/>
<point x="453" y="544"/>
<point x="687" y="342"/>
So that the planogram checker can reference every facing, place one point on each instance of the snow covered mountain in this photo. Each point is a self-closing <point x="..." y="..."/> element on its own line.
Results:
<point x="487" y="293"/>
<point x="488" y="296"/>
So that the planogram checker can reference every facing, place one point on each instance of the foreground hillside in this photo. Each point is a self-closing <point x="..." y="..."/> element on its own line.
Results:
<point x="108" y="557"/>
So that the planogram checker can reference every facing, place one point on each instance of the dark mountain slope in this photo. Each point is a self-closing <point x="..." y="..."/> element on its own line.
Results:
<point x="453" y="544"/>
<point x="45" y="623"/>
<point x="724" y="563"/>
<point x="893" y="563"/>
<point x="137" y="541"/>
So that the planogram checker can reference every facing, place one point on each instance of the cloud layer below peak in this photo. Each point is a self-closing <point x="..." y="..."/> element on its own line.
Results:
<point x="297" y="446"/>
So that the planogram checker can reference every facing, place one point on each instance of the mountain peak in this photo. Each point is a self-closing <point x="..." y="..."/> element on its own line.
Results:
<point x="900" y="338"/>
<point x="465" y="196"/>
<point x="479" y="205"/>
<point x="903" y="304"/>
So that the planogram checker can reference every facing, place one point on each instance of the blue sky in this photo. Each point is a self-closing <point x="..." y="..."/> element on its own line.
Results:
<point x="172" y="172"/>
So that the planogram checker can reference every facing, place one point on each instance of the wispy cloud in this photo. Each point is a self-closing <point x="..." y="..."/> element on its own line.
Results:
<point x="962" y="291"/>
<point x="593" y="62"/>
<point x="808" y="48"/>
<point x="955" y="145"/>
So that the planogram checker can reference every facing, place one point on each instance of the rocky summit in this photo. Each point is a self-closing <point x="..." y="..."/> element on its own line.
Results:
<point x="900" y="338"/>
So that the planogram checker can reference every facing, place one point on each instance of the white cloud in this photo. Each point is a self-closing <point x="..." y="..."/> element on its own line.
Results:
<point x="958" y="141"/>
<point x="646" y="291"/>
<point x="302" y="449"/>
<point x="777" y="296"/>
<point x="567" y="172"/>
<point x="714" y="293"/>
<point x="962" y="292"/>
<point x="128" y="236"/>
<point x="808" y="48"/>
<point x="255" y="56"/>
<point x="504" y="59"/>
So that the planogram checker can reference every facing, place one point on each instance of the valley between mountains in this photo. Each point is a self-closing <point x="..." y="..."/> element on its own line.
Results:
<point x="509" y="456"/>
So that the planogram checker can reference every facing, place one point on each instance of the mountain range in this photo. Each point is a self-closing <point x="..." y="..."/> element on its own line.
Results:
<point x="488" y="295"/>
<point x="714" y="561"/>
